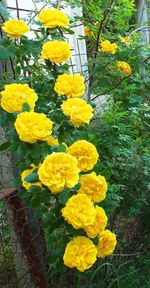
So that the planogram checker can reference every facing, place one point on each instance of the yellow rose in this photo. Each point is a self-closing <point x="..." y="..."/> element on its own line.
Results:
<point x="32" y="126"/>
<point x="99" y="225"/>
<point x="52" y="18"/>
<point x="87" y="32"/>
<point x="56" y="51"/>
<point x="86" y="154"/>
<point x="95" y="187"/>
<point x="107" y="244"/>
<point x="79" y="211"/>
<point x="78" y="110"/>
<point x="70" y="85"/>
<point x="15" y="28"/>
<point x="52" y="141"/>
<point x="126" y="40"/>
<point x="124" y="67"/>
<point x="58" y="171"/>
<point x="80" y="253"/>
<point x="108" y="47"/>
<point x="24" y="174"/>
<point x="15" y="95"/>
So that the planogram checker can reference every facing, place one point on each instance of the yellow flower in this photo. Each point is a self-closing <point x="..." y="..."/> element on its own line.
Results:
<point x="32" y="126"/>
<point x="70" y="85"/>
<point x="15" y="95"/>
<point x="52" y="18"/>
<point x="79" y="211"/>
<point x="58" y="171"/>
<point x="124" y="67"/>
<point x="78" y="110"/>
<point x="52" y="141"/>
<point x="126" y="40"/>
<point x="24" y="174"/>
<point x="15" y="28"/>
<point x="99" y="225"/>
<point x="108" y="47"/>
<point x="56" y="51"/>
<point x="80" y="253"/>
<point x="87" y="32"/>
<point x="86" y="154"/>
<point x="95" y="187"/>
<point x="107" y="244"/>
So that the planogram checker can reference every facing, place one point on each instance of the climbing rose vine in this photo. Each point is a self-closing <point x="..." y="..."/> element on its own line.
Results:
<point x="48" y="121"/>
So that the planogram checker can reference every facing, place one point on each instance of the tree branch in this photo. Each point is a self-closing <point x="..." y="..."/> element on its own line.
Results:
<point x="107" y="13"/>
<point x="117" y="85"/>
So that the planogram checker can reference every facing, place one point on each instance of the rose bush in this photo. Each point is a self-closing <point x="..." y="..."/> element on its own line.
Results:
<point x="46" y="131"/>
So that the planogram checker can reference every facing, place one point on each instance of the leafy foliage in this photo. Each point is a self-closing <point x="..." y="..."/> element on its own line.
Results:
<point x="120" y="133"/>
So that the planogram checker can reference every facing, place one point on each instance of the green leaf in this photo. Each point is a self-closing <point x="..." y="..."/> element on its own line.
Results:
<point x="35" y="189"/>
<point x="64" y="196"/>
<point x="25" y="107"/>
<point x="4" y="56"/>
<point x="32" y="178"/>
<point x="35" y="202"/>
<point x="92" y="104"/>
<point x="69" y="31"/>
<point x="4" y="146"/>
<point x="21" y="151"/>
<point x="76" y="187"/>
<point x="62" y="148"/>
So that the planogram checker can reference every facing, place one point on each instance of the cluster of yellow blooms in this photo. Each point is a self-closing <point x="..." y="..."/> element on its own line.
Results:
<point x="108" y="47"/>
<point x="57" y="172"/>
<point x="61" y="170"/>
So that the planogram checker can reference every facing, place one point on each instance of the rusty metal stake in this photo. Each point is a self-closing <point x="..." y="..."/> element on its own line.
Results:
<point x="25" y="236"/>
